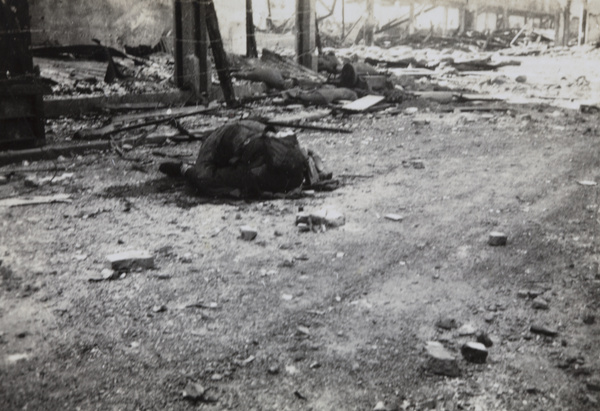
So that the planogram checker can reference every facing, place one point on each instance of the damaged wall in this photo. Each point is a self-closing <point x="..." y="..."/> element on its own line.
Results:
<point x="115" y="22"/>
<point x="124" y="22"/>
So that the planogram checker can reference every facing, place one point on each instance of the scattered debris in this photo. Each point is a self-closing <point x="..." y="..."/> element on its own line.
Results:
<point x="303" y="330"/>
<point x="446" y="323"/>
<point x="15" y="358"/>
<point x="539" y="329"/>
<point x="299" y="395"/>
<point x="194" y="392"/>
<point x="107" y="274"/>
<point x="248" y="233"/>
<point x="497" y="238"/>
<point x="325" y="217"/>
<point x="128" y="260"/>
<point x="540" y="304"/>
<point x="159" y="308"/>
<point x="35" y="200"/>
<point x="474" y="352"/>
<point x="484" y="338"/>
<point x="245" y="361"/>
<point x="588" y="183"/>
<point x="466" y="329"/>
<point x="363" y="103"/>
<point x="441" y="361"/>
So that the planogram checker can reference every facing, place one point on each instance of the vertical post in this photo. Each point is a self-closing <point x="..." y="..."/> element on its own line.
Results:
<point x="201" y="49"/>
<point x="21" y="104"/>
<point x="192" y="66"/>
<point x="558" y="28"/>
<point x="219" y="55"/>
<point x="567" y="24"/>
<point x="269" y="17"/>
<point x="505" y="18"/>
<point x="582" y="23"/>
<point x="251" y="50"/>
<point x="370" y="24"/>
<point x="462" y="20"/>
<point x="445" y="22"/>
<point x="411" y="19"/>
<point x="15" y="39"/>
<point x="306" y="33"/>
<point x="343" y="19"/>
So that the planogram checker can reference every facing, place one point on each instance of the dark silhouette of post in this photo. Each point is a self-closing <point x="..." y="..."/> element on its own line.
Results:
<point x="219" y="55"/>
<point x="251" y="50"/>
<point x="306" y="33"/>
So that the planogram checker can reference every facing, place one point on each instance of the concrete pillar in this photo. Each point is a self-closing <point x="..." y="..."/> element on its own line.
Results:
<point x="306" y="33"/>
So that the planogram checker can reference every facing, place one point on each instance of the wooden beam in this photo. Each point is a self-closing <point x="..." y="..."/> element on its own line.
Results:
<point x="306" y="33"/>
<point x="219" y="55"/>
<point x="192" y="66"/>
<point x="251" y="50"/>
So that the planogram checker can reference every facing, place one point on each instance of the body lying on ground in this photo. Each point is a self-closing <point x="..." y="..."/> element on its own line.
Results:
<point x="244" y="158"/>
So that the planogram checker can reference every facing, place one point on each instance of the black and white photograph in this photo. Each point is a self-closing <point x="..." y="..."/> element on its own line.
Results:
<point x="312" y="205"/>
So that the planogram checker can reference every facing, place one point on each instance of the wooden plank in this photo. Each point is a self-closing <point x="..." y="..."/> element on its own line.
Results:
<point x="464" y="109"/>
<point x="417" y="72"/>
<point x="363" y="104"/>
<point x="34" y="200"/>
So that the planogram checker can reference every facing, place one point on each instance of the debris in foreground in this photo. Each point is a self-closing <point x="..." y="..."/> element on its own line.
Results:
<point x="474" y="352"/>
<point x="193" y="391"/>
<point x="248" y="233"/>
<point x="497" y="238"/>
<point x="128" y="260"/>
<point x="539" y="329"/>
<point x="441" y="361"/>
<point x="325" y="217"/>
